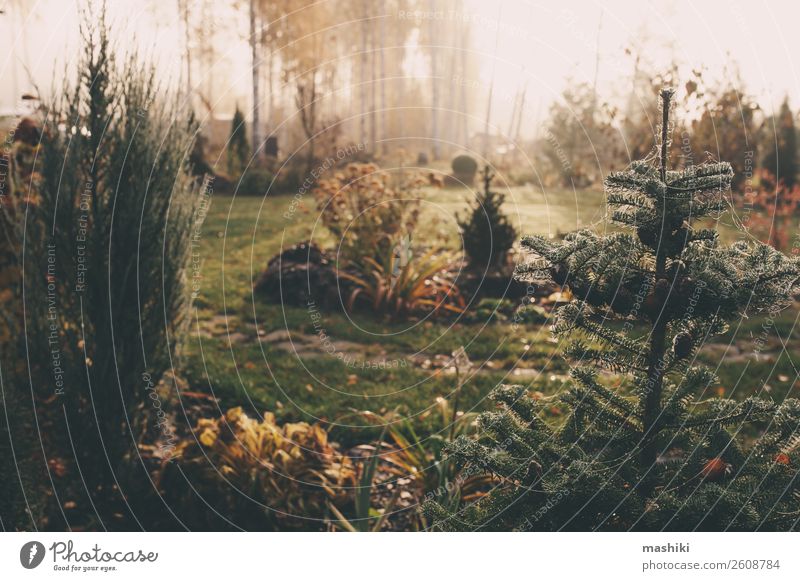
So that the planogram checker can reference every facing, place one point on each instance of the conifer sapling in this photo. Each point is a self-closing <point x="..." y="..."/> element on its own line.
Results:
<point x="652" y="450"/>
<point x="238" y="147"/>
<point x="488" y="234"/>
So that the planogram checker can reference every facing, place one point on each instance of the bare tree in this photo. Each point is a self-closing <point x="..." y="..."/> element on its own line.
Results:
<point x="384" y="108"/>
<point x="306" y="101"/>
<point x="363" y="71"/>
<point x="255" y="37"/>
<point x="183" y="10"/>
<point x="434" y="84"/>
<point x="373" y="89"/>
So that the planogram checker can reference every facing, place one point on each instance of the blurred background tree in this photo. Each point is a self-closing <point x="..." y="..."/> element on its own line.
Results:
<point x="727" y="130"/>
<point x="239" y="151"/>
<point x="780" y="145"/>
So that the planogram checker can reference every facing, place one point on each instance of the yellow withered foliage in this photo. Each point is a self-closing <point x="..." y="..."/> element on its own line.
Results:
<point x="259" y="467"/>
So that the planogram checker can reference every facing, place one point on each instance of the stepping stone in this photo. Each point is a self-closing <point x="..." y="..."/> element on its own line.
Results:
<point x="276" y="336"/>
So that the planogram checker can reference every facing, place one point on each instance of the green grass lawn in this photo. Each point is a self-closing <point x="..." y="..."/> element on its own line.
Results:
<point x="301" y="381"/>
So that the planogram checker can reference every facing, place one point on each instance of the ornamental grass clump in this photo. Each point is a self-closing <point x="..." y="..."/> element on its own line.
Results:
<point x="372" y="220"/>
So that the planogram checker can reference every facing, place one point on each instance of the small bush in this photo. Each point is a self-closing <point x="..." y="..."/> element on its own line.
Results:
<point x="301" y="275"/>
<point x="365" y="213"/>
<point x="464" y="169"/>
<point x="464" y="164"/>
<point x="255" y="182"/>
<point x="372" y="222"/>
<point x="289" y="179"/>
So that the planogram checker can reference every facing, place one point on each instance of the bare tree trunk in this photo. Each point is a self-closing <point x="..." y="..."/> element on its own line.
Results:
<point x="491" y="89"/>
<point x="464" y="110"/>
<point x="208" y="54"/>
<point x="183" y="6"/>
<point x="14" y="73"/>
<point x="383" y="78"/>
<point x="452" y="122"/>
<point x="306" y="100"/>
<point x="397" y="119"/>
<point x="363" y="72"/>
<point x="434" y="85"/>
<point x="521" y="113"/>
<point x="488" y="118"/>
<point x="596" y="62"/>
<point x="513" y="119"/>
<point x="254" y="41"/>
<point x="271" y="85"/>
<point x="373" y="113"/>
<point x="333" y="100"/>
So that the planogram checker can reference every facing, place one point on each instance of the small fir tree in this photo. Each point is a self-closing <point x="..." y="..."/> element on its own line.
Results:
<point x="238" y="148"/>
<point x="663" y="455"/>
<point x="488" y="234"/>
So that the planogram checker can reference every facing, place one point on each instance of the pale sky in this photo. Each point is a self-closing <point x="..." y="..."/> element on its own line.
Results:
<point x="543" y="42"/>
<point x="548" y="41"/>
